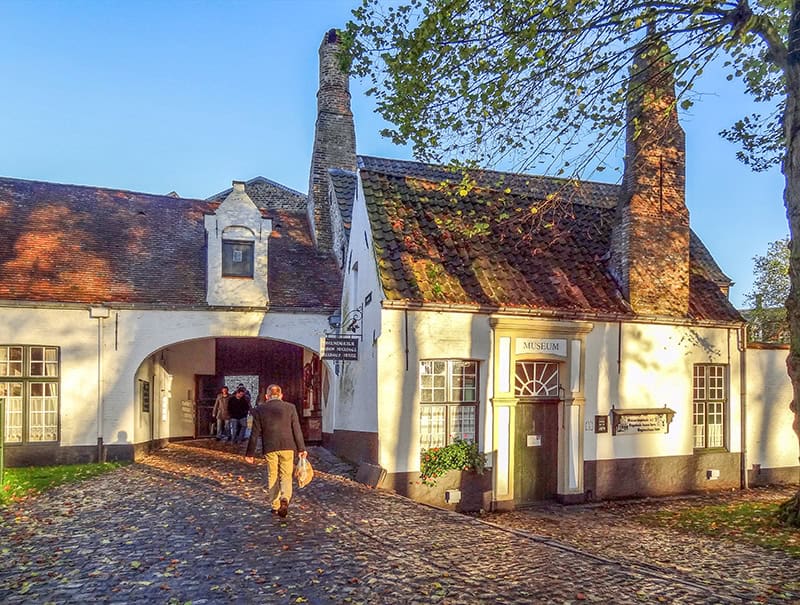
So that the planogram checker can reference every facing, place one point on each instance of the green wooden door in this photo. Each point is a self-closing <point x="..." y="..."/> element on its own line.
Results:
<point x="536" y="452"/>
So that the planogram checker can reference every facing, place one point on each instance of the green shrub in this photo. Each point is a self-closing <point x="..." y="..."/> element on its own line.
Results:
<point x="460" y="455"/>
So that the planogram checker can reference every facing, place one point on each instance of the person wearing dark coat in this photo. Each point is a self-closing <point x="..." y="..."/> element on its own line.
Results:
<point x="275" y="421"/>
<point x="238" y="407"/>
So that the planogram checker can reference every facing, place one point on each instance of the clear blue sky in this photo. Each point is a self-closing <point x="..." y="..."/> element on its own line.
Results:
<point x="159" y="96"/>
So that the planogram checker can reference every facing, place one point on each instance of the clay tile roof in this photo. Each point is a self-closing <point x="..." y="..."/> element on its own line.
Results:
<point x="436" y="244"/>
<point x="78" y="244"/>
<point x="299" y="275"/>
<point x="344" y="186"/>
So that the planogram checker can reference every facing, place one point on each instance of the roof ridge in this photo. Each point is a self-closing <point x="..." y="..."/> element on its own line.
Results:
<point x="485" y="171"/>
<point x="261" y="179"/>
<point x="99" y="188"/>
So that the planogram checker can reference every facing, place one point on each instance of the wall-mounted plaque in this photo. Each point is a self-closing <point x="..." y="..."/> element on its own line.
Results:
<point x="144" y="396"/>
<point x="634" y="421"/>
<point x="601" y="424"/>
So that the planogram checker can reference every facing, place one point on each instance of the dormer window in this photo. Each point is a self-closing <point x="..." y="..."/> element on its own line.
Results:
<point x="237" y="258"/>
<point x="237" y="235"/>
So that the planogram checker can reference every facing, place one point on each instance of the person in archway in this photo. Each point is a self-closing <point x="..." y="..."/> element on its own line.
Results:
<point x="275" y="421"/>
<point x="220" y="413"/>
<point x="238" y="409"/>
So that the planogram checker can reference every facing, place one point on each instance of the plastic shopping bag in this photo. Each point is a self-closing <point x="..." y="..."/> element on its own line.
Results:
<point x="303" y="473"/>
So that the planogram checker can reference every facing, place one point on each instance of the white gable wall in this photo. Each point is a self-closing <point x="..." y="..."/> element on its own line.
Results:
<point x="356" y="407"/>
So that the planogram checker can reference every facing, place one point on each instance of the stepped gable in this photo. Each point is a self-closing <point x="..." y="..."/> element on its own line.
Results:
<point x="431" y="247"/>
<point x="78" y="244"/>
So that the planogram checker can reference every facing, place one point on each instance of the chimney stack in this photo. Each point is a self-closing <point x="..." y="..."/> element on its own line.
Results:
<point x="334" y="138"/>
<point x="650" y="239"/>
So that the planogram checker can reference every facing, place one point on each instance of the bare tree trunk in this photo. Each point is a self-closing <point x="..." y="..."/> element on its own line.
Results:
<point x="790" y="510"/>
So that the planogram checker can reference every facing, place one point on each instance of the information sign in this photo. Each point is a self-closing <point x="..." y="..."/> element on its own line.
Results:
<point x="340" y="348"/>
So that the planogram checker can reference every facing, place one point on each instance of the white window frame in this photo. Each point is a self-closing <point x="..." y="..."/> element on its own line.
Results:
<point x="540" y="379"/>
<point x="32" y="395"/>
<point x="709" y="403"/>
<point x="449" y="398"/>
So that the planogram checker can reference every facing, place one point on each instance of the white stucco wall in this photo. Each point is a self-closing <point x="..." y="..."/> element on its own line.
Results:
<point x="771" y="442"/>
<point x="76" y="334"/>
<point x="356" y="404"/>
<point x="431" y="335"/>
<point x="655" y="371"/>
<point x="237" y="218"/>
<point x="130" y="339"/>
<point x="182" y="361"/>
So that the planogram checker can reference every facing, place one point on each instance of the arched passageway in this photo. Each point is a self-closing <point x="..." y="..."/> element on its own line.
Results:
<point x="178" y="384"/>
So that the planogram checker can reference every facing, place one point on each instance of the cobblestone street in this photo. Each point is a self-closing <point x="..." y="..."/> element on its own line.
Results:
<point x="190" y="524"/>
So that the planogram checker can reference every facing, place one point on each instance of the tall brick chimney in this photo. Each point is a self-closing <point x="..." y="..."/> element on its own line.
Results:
<point x="334" y="138"/>
<point x="650" y="239"/>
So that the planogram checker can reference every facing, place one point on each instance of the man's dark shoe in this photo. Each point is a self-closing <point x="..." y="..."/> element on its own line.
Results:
<point x="283" y="510"/>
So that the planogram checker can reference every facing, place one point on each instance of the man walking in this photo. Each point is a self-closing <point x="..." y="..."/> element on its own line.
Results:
<point x="238" y="409"/>
<point x="220" y="413"/>
<point x="276" y="422"/>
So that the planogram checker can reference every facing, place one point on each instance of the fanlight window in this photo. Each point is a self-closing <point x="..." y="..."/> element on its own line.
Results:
<point x="536" y="379"/>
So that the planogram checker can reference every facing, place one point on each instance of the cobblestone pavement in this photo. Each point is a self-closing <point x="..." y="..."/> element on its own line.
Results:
<point x="613" y="531"/>
<point x="191" y="524"/>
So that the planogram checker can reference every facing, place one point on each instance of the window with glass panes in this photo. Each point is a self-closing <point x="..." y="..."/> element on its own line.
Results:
<point x="536" y="379"/>
<point x="709" y="396"/>
<point x="448" y="390"/>
<point x="29" y="385"/>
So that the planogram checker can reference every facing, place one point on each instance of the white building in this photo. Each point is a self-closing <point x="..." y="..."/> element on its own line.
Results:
<point x="589" y="348"/>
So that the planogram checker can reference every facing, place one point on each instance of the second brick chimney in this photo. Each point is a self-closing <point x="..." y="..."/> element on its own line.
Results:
<point x="650" y="241"/>
<point x="334" y="138"/>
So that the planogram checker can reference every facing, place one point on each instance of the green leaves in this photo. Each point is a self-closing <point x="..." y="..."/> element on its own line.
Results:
<point x="493" y="80"/>
<point x="459" y="455"/>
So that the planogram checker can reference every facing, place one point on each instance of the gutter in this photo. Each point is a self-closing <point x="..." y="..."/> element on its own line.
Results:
<point x="81" y="306"/>
<point x="566" y="315"/>
<point x="741" y="338"/>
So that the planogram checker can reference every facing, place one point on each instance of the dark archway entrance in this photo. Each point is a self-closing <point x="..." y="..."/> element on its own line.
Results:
<point x="295" y="369"/>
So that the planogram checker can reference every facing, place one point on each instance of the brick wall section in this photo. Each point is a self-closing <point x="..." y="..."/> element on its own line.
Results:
<point x="650" y="241"/>
<point x="334" y="138"/>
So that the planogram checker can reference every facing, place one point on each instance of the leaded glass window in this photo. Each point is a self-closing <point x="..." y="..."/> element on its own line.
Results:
<point x="709" y="393"/>
<point x="29" y="387"/>
<point x="448" y="391"/>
